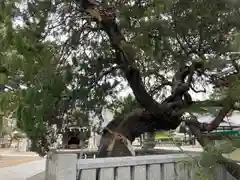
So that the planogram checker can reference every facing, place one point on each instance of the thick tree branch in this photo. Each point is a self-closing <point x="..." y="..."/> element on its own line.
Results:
<point x="181" y="84"/>
<point x="139" y="121"/>
<point x="232" y="167"/>
<point x="198" y="91"/>
<point x="217" y="120"/>
<point x="125" y="57"/>
<point x="157" y="88"/>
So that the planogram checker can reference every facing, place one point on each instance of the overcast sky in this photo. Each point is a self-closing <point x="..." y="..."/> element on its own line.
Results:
<point x="234" y="119"/>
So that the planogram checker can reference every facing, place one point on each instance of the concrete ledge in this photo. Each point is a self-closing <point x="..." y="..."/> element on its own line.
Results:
<point x="39" y="176"/>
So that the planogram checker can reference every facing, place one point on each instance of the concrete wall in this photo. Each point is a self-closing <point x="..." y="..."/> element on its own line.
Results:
<point x="61" y="166"/>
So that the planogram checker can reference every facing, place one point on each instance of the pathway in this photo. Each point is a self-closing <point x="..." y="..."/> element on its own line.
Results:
<point x="6" y="161"/>
<point x="23" y="171"/>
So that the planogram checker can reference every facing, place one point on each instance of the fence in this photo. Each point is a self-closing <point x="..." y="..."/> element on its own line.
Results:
<point x="91" y="153"/>
<point x="61" y="166"/>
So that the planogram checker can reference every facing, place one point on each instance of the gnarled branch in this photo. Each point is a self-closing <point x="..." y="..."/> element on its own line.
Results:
<point x="217" y="120"/>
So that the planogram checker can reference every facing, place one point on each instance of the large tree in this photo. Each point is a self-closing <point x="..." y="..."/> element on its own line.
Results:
<point x="79" y="53"/>
<point x="37" y="87"/>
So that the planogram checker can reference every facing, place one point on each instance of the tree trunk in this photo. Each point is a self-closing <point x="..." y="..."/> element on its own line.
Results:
<point x="149" y="140"/>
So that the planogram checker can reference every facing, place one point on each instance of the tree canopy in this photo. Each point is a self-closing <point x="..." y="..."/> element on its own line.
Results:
<point x="59" y="56"/>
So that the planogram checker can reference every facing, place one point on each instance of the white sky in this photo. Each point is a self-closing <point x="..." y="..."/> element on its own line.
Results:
<point x="234" y="118"/>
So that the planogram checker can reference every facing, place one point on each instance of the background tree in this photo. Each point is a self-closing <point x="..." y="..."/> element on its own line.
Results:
<point x="40" y="87"/>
